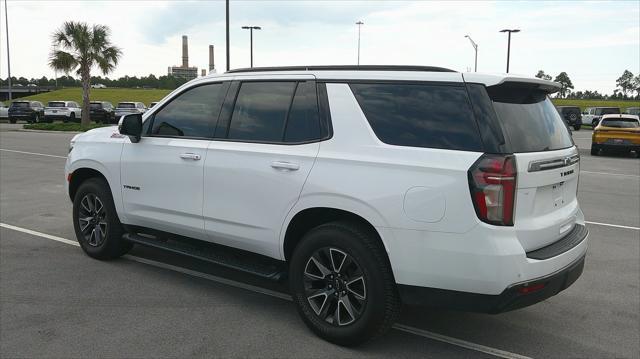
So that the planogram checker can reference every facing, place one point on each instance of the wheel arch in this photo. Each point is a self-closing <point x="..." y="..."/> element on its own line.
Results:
<point x="311" y="217"/>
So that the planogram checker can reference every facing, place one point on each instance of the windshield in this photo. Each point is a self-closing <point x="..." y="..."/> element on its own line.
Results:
<point x="529" y="119"/>
<point x="20" y="105"/>
<point x="56" y="104"/>
<point x="126" y="105"/>
<point x="607" y="111"/>
<point x="620" y="122"/>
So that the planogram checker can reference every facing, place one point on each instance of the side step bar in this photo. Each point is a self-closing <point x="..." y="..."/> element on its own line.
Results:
<point x="252" y="263"/>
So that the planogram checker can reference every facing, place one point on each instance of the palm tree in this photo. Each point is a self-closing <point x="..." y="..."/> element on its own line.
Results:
<point x="79" y="46"/>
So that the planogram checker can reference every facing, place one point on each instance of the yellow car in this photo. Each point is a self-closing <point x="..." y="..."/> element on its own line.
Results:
<point x="620" y="133"/>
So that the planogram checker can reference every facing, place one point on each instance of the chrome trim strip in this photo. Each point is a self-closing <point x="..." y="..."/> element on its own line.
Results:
<point x="544" y="165"/>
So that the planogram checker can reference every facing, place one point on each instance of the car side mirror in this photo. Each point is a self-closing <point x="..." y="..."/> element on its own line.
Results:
<point x="131" y="125"/>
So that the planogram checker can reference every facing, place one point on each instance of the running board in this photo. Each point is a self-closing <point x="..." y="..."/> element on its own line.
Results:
<point x="247" y="262"/>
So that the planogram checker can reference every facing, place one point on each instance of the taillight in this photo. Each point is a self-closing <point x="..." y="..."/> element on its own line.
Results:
<point x="492" y="182"/>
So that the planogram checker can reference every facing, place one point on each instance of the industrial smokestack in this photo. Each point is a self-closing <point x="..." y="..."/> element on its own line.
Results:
<point x="185" y="51"/>
<point x="212" y="65"/>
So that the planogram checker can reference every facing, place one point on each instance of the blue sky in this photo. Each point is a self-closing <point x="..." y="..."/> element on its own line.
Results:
<point x="594" y="42"/>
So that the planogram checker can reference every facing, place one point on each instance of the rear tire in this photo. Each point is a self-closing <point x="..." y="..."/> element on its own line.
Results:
<point x="96" y="222"/>
<point x="594" y="150"/>
<point x="345" y="304"/>
<point x="12" y="121"/>
<point x="576" y="127"/>
<point x="72" y="117"/>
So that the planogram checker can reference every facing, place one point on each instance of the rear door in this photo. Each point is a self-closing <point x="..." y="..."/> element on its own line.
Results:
<point x="266" y="143"/>
<point x="547" y="164"/>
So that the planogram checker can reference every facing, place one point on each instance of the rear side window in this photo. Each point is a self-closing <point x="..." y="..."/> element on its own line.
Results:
<point x="529" y="119"/>
<point x="420" y="115"/>
<point x="260" y="111"/>
<point x="303" y="122"/>
<point x="193" y="113"/>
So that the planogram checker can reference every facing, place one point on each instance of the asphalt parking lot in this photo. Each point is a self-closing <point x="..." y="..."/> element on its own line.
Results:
<point x="57" y="302"/>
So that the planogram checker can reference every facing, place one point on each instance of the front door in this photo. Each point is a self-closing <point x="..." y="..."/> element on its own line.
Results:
<point x="162" y="174"/>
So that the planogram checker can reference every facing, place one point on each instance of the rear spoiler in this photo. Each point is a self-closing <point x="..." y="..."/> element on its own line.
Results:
<point x="506" y="79"/>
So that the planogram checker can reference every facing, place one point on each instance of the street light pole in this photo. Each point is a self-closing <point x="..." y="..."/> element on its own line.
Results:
<point x="228" y="56"/>
<point x="251" y="28"/>
<point x="359" y="23"/>
<point x="6" y="22"/>
<point x="509" y="31"/>
<point x="475" y="47"/>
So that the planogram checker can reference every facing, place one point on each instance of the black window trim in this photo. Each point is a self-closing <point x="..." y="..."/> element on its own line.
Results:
<point x="224" y="124"/>
<point x="156" y="110"/>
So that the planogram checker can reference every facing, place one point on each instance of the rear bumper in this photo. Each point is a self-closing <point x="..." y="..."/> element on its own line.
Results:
<point x="515" y="296"/>
<point x="622" y="147"/>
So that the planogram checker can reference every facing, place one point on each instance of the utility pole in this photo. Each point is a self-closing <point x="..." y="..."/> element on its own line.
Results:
<point x="251" y="28"/>
<point x="509" y="31"/>
<point x="228" y="56"/>
<point x="359" y="23"/>
<point x="6" y="22"/>
<point x="475" y="47"/>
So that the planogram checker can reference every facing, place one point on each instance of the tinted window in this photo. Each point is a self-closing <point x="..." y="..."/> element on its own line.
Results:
<point x="417" y="115"/>
<point x="620" y="122"/>
<point x="529" y="119"/>
<point x="303" y="123"/>
<point x="607" y="111"/>
<point x="261" y="110"/>
<point x="20" y="105"/>
<point x="56" y="104"/>
<point x="95" y="105"/>
<point x="126" y="105"/>
<point x="192" y="114"/>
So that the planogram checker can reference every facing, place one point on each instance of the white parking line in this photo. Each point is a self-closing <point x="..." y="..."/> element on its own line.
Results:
<point x="32" y="153"/>
<point x="609" y="174"/>
<point x="400" y="327"/>
<point x="612" y="225"/>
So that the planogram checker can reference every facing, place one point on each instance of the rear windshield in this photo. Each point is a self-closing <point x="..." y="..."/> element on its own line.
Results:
<point x="620" y="122"/>
<point x="126" y="105"/>
<point x="607" y="111"/>
<point x="95" y="105"/>
<point x="56" y="104"/>
<point x="529" y="119"/>
<point x="20" y="104"/>
<point x="420" y="115"/>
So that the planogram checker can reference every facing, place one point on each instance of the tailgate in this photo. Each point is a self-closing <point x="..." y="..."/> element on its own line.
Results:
<point x="546" y="201"/>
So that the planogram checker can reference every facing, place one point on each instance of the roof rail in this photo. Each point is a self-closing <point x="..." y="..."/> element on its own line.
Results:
<point x="345" y="68"/>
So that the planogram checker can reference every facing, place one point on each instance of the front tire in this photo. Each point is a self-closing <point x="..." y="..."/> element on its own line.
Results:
<point x="595" y="150"/>
<point x="96" y="222"/>
<point x="12" y="121"/>
<point x="72" y="117"/>
<point x="576" y="127"/>
<point x="342" y="283"/>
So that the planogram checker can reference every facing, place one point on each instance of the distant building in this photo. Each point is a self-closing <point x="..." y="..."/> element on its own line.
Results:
<point x="184" y="71"/>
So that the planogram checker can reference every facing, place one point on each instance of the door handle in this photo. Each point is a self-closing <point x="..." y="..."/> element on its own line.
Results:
<point x="190" y="156"/>
<point x="281" y="165"/>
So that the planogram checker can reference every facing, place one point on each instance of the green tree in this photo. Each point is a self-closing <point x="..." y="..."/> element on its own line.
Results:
<point x="636" y="85"/>
<point x="81" y="47"/>
<point x="565" y="81"/>
<point x="542" y="75"/>
<point x="625" y="82"/>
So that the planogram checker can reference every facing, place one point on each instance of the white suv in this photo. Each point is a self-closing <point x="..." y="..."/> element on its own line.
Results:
<point x="366" y="187"/>
<point x="62" y="110"/>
